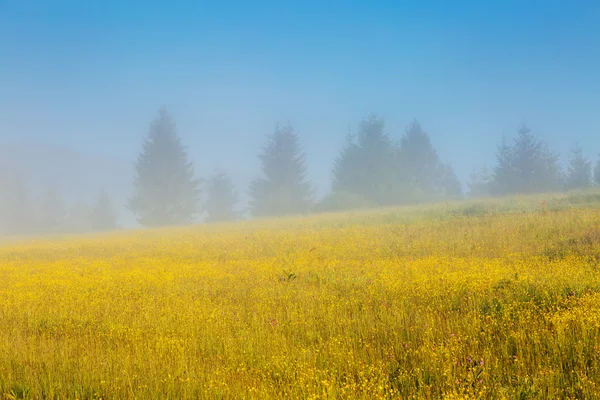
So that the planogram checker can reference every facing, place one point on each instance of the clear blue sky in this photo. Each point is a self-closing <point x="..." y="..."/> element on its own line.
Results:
<point x="92" y="75"/>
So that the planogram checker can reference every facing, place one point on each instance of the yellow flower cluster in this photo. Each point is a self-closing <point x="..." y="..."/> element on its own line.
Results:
<point x="364" y="305"/>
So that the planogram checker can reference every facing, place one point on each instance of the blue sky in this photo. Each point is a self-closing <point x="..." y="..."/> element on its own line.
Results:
<point x="92" y="75"/>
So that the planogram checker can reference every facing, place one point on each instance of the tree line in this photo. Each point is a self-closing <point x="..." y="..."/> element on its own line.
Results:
<point x="371" y="170"/>
<point x="374" y="168"/>
<point x="525" y="165"/>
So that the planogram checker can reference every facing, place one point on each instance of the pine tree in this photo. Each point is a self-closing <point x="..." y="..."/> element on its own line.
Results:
<point x="368" y="165"/>
<point x="503" y="174"/>
<point x="282" y="189"/>
<point x="579" y="172"/>
<point x="536" y="167"/>
<point x="421" y="162"/>
<point x="550" y="175"/>
<point x="347" y="170"/>
<point x="103" y="216"/>
<point x="528" y="166"/>
<point x="527" y="151"/>
<point x="166" y="192"/>
<point x="222" y="198"/>
<point x="450" y="183"/>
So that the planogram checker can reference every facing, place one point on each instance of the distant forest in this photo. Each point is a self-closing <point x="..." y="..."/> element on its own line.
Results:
<point x="371" y="170"/>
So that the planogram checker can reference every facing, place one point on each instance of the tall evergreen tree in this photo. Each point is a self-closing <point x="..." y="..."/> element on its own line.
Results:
<point x="221" y="198"/>
<point x="103" y="216"/>
<point x="526" y="161"/>
<point x="536" y="168"/>
<point x="450" y="184"/>
<point x="551" y="176"/>
<point x="347" y="169"/>
<point x="579" y="172"/>
<point x="528" y="166"/>
<point x="368" y="164"/>
<point x="283" y="187"/>
<point x="503" y="175"/>
<point x="165" y="190"/>
<point x="421" y="162"/>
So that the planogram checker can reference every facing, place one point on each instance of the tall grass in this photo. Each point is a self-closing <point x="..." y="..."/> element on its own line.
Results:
<point x="438" y="302"/>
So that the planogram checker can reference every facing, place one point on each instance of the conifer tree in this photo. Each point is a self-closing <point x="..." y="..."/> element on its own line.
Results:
<point x="378" y="170"/>
<point x="579" y="172"/>
<point x="165" y="190"/>
<point x="368" y="165"/>
<point x="528" y="166"/>
<point x="421" y="163"/>
<point x="526" y="160"/>
<point x="283" y="187"/>
<point x="503" y="173"/>
<point x="347" y="170"/>
<point x="551" y="176"/>
<point x="535" y="166"/>
<point x="450" y="183"/>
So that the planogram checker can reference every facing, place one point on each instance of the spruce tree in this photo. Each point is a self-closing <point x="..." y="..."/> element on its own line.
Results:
<point x="347" y="170"/>
<point x="368" y="165"/>
<point x="503" y="174"/>
<point x="579" y="172"/>
<point x="421" y="162"/>
<point x="450" y="183"/>
<point x="283" y="187"/>
<point x="103" y="216"/>
<point x="535" y="166"/>
<point x="528" y="166"/>
<point x="165" y="190"/>
<point x="550" y="175"/>
<point x="526" y="160"/>
<point x="221" y="198"/>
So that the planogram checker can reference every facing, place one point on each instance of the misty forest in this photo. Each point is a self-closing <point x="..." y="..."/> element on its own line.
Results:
<point x="375" y="168"/>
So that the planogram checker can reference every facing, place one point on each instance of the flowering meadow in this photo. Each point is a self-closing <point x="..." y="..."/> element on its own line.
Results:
<point x="376" y="304"/>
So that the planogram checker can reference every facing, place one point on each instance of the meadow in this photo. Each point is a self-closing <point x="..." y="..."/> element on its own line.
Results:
<point x="498" y="299"/>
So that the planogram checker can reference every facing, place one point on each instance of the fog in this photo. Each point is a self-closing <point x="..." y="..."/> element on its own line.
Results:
<point x="81" y="84"/>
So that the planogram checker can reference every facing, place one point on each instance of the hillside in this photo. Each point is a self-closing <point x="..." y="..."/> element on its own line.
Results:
<point x="494" y="299"/>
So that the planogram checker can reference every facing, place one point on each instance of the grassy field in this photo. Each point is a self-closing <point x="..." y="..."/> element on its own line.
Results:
<point x="495" y="299"/>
